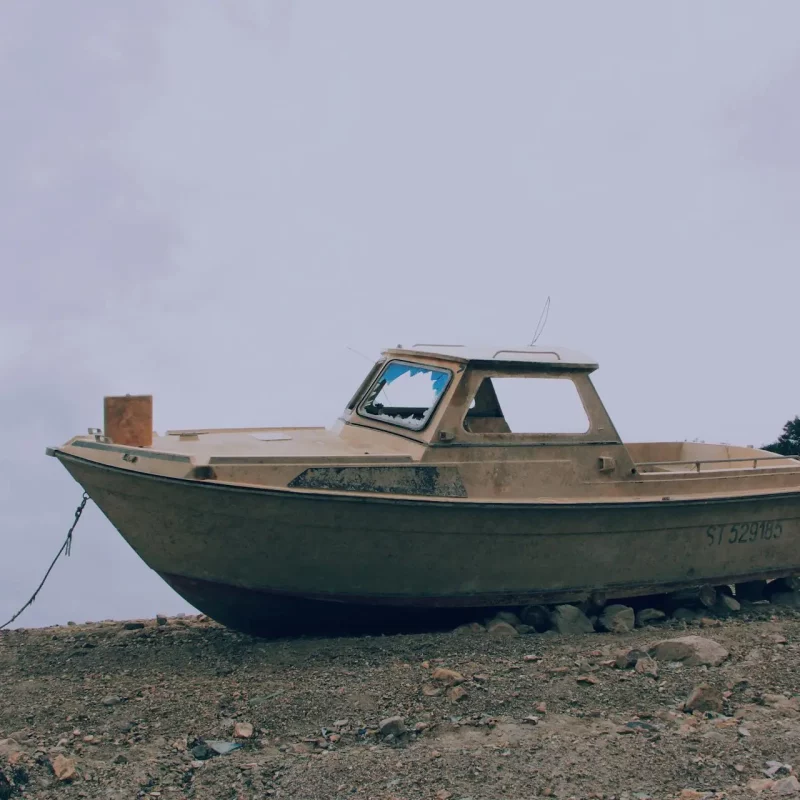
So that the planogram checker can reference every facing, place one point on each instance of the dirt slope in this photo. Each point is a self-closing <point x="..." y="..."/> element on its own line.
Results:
<point x="118" y="713"/>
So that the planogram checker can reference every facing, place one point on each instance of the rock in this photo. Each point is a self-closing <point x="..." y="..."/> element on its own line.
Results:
<point x="161" y="619"/>
<point x="649" y="616"/>
<point x="111" y="700"/>
<point x="456" y="693"/>
<point x="201" y="752"/>
<point x="505" y="616"/>
<point x="447" y="676"/>
<point x="684" y="614"/>
<point x="536" y="616"/>
<point x="625" y="659"/>
<point x="392" y="726"/>
<point x="691" y="650"/>
<point x="502" y="630"/>
<point x="647" y="666"/>
<point x="243" y="730"/>
<point x="443" y="794"/>
<point x="758" y="785"/>
<point x="589" y="679"/>
<point x="429" y="690"/>
<point x="617" y="619"/>
<point x="523" y="628"/>
<point x="469" y="630"/>
<point x="421" y="727"/>
<point x="727" y="604"/>
<point x="63" y="768"/>
<point x="786" y="786"/>
<point x="704" y="698"/>
<point x="570" y="620"/>
<point x="777" y="768"/>
<point x="786" y="599"/>
<point x="9" y="746"/>
<point x="781" y="702"/>
<point x="133" y="626"/>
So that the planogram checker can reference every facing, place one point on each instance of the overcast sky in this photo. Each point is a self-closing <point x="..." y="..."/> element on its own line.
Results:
<point x="211" y="201"/>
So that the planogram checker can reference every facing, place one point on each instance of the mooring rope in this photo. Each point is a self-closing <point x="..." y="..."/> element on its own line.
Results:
<point x="65" y="549"/>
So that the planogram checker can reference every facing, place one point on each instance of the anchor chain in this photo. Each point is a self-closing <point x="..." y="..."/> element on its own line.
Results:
<point x="66" y="549"/>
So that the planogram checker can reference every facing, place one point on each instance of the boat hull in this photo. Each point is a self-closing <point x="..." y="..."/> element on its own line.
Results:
<point x="277" y="562"/>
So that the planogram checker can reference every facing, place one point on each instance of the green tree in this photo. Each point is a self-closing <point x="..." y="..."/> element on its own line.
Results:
<point x="788" y="443"/>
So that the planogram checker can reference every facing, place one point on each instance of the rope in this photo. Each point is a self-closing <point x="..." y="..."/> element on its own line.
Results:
<point x="66" y="548"/>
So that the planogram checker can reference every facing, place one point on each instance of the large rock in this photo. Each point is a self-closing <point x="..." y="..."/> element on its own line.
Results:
<point x="537" y="617"/>
<point x="617" y="619"/>
<point x="570" y="620"/>
<point x="504" y="616"/>
<point x="649" y="616"/>
<point x="469" y="629"/>
<point x="691" y="650"/>
<point x="501" y="630"/>
<point x="726" y="604"/>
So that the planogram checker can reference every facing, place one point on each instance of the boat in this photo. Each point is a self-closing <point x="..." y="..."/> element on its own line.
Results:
<point x="433" y="496"/>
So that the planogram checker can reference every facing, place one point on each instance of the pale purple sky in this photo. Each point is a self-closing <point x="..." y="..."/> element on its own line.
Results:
<point x="199" y="200"/>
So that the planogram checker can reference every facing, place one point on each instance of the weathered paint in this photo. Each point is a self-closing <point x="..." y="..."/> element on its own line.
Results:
<point x="424" y="481"/>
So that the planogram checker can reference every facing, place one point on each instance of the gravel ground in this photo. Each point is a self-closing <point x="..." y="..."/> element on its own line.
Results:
<point x="112" y="710"/>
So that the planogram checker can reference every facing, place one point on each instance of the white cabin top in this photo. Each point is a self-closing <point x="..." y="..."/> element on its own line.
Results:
<point x="513" y="354"/>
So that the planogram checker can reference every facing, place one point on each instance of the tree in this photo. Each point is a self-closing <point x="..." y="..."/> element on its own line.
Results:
<point x="788" y="443"/>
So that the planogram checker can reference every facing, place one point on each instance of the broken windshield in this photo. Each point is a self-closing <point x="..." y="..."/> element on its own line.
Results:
<point x="405" y="394"/>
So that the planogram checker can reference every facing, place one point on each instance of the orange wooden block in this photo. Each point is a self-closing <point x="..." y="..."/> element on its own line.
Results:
<point x="129" y="420"/>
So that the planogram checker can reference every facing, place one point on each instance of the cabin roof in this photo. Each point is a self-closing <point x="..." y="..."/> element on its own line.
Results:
<point x="513" y="354"/>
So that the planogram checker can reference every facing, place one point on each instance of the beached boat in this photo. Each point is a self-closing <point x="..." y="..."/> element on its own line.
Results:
<point x="455" y="479"/>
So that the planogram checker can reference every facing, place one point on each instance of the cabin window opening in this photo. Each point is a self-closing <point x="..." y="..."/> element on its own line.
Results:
<point x="524" y="404"/>
<point x="405" y="394"/>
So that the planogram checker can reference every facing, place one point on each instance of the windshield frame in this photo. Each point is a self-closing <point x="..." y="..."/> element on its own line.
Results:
<point x="364" y="414"/>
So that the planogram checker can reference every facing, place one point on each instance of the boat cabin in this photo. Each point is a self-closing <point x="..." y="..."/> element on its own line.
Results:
<point x="538" y="402"/>
<point x="459" y="395"/>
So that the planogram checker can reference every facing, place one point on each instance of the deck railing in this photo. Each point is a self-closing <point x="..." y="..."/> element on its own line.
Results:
<point x="698" y="462"/>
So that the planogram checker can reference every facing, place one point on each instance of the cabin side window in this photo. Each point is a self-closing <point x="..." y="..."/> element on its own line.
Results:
<point x="526" y="404"/>
<point x="405" y="394"/>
